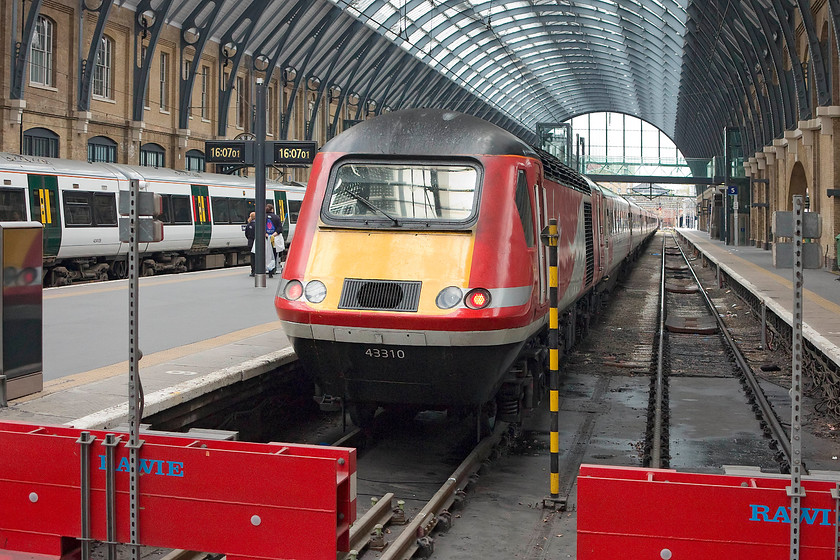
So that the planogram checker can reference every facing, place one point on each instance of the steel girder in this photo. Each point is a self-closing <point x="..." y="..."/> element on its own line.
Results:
<point x="148" y="22"/>
<point x="20" y="49"/>
<point x="195" y="32"/>
<point x="86" y="64"/>
<point x="735" y="47"/>
<point x="685" y="66"/>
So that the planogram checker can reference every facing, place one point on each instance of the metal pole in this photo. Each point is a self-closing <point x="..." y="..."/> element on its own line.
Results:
<point x="259" y="186"/>
<point x="795" y="490"/>
<point x="85" y="441"/>
<point x="554" y="360"/>
<point x="763" y="324"/>
<point x="134" y="387"/>
<point x="110" y="443"/>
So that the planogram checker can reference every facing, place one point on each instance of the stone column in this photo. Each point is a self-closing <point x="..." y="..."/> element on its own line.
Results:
<point x="12" y="135"/>
<point x="135" y="140"/>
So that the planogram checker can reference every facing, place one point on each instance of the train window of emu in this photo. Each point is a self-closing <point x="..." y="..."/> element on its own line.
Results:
<point x="394" y="193"/>
<point x="12" y="205"/>
<point x="90" y="209"/>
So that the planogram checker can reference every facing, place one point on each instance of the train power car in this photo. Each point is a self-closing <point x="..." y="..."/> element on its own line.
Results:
<point x="203" y="215"/>
<point x="418" y="277"/>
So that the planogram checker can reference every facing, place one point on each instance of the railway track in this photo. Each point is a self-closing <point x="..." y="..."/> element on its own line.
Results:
<point x="414" y="477"/>
<point x="693" y="345"/>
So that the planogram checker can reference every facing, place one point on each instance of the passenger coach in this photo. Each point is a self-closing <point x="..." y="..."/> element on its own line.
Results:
<point x="203" y="215"/>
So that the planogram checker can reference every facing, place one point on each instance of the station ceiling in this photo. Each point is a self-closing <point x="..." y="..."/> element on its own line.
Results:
<point x="689" y="68"/>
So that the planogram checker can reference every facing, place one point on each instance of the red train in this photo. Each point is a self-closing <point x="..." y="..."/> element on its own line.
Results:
<point x="418" y="277"/>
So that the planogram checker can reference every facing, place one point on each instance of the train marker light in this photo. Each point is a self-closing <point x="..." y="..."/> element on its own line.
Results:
<point x="315" y="291"/>
<point x="293" y="291"/>
<point x="449" y="297"/>
<point x="479" y="298"/>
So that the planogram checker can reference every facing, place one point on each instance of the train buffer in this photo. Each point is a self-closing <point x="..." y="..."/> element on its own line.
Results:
<point x="635" y="513"/>
<point x="62" y="488"/>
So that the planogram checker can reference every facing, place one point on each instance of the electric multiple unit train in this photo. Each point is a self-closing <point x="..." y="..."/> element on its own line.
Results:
<point x="203" y="215"/>
<point x="418" y="276"/>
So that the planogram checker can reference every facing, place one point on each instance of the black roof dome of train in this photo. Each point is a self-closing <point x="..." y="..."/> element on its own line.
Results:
<point x="427" y="132"/>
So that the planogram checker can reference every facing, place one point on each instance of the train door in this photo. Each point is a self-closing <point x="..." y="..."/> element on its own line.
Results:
<point x="201" y="210"/>
<point x="43" y="197"/>
<point x="281" y="208"/>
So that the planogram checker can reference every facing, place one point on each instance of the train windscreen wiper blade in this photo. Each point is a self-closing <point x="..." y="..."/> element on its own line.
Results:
<point x="372" y="206"/>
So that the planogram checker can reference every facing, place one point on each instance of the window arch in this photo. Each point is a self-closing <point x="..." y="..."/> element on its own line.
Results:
<point x="195" y="160"/>
<point x="152" y="155"/>
<point x="41" y="53"/>
<point x="103" y="69"/>
<point x="102" y="148"/>
<point x="40" y="142"/>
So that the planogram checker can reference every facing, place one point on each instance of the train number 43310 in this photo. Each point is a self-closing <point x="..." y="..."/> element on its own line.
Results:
<point x="384" y="353"/>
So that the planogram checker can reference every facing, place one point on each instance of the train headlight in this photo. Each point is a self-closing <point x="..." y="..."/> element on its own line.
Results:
<point x="293" y="291"/>
<point x="449" y="297"/>
<point x="315" y="291"/>
<point x="479" y="298"/>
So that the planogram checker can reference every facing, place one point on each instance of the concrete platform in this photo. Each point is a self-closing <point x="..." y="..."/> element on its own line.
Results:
<point x="199" y="332"/>
<point x="753" y="268"/>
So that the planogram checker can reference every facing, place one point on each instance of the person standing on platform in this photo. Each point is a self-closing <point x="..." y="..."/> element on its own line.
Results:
<point x="250" y="228"/>
<point x="274" y="234"/>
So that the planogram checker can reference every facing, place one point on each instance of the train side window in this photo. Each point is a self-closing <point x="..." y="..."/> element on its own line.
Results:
<point x="77" y="209"/>
<point x="294" y="210"/>
<point x="221" y="210"/>
<point x="181" y="209"/>
<point x="166" y="214"/>
<point x="523" y="205"/>
<point x="12" y="205"/>
<point x="104" y="209"/>
<point x="238" y="210"/>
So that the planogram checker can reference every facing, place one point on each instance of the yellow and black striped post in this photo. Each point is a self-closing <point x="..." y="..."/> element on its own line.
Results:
<point x="549" y="237"/>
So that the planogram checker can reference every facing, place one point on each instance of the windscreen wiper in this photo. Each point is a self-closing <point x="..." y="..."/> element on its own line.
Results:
<point x="373" y="207"/>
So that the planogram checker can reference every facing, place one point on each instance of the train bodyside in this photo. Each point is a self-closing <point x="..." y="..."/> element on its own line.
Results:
<point x="77" y="204"/>
<point x="387" y="300"/>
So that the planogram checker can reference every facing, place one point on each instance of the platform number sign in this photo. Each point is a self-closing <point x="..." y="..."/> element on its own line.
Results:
<point x="732" y="189"/>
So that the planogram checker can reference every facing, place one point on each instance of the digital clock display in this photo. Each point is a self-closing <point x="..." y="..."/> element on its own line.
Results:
<point x="294" y="152"/>
<point x="226" y="152"/>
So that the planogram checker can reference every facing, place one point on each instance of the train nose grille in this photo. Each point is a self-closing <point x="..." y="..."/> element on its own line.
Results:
<point x="388" y="295"/>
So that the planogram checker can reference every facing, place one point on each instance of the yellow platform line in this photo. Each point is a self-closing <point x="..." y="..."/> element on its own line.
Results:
<point x="149" y="360"/>
<point x="809" y="295"/>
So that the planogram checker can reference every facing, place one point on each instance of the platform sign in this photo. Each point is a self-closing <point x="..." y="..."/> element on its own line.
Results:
<point x="229" y="151"/>
<point x="292" y="153"/>
<point x="732" y="189"/>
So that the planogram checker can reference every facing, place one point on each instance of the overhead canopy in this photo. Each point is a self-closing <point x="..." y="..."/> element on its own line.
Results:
<point x="688" y="68"/>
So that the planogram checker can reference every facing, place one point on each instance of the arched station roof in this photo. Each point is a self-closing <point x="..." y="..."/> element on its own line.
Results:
<point x="691" y="68"/>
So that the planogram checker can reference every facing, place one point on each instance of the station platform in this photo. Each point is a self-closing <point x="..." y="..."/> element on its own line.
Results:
<point x="198" y="332"/>
<point x="753" y="268"/>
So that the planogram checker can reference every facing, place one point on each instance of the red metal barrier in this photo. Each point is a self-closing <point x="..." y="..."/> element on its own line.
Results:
<point x="245" y="500"/>
<point x="637" y="513"/>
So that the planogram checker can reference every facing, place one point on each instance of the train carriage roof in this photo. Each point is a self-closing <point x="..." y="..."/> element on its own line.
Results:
<point x="428" y="133"/>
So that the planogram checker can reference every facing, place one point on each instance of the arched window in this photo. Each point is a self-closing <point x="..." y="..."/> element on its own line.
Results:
<point x="195" y="160"/>
<point x="152" y="155"/>
<point x="40" y="142"/>
<point x="103" y="69"/>
<point x="41" y="53"/>
<point x="102" y="148"/>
